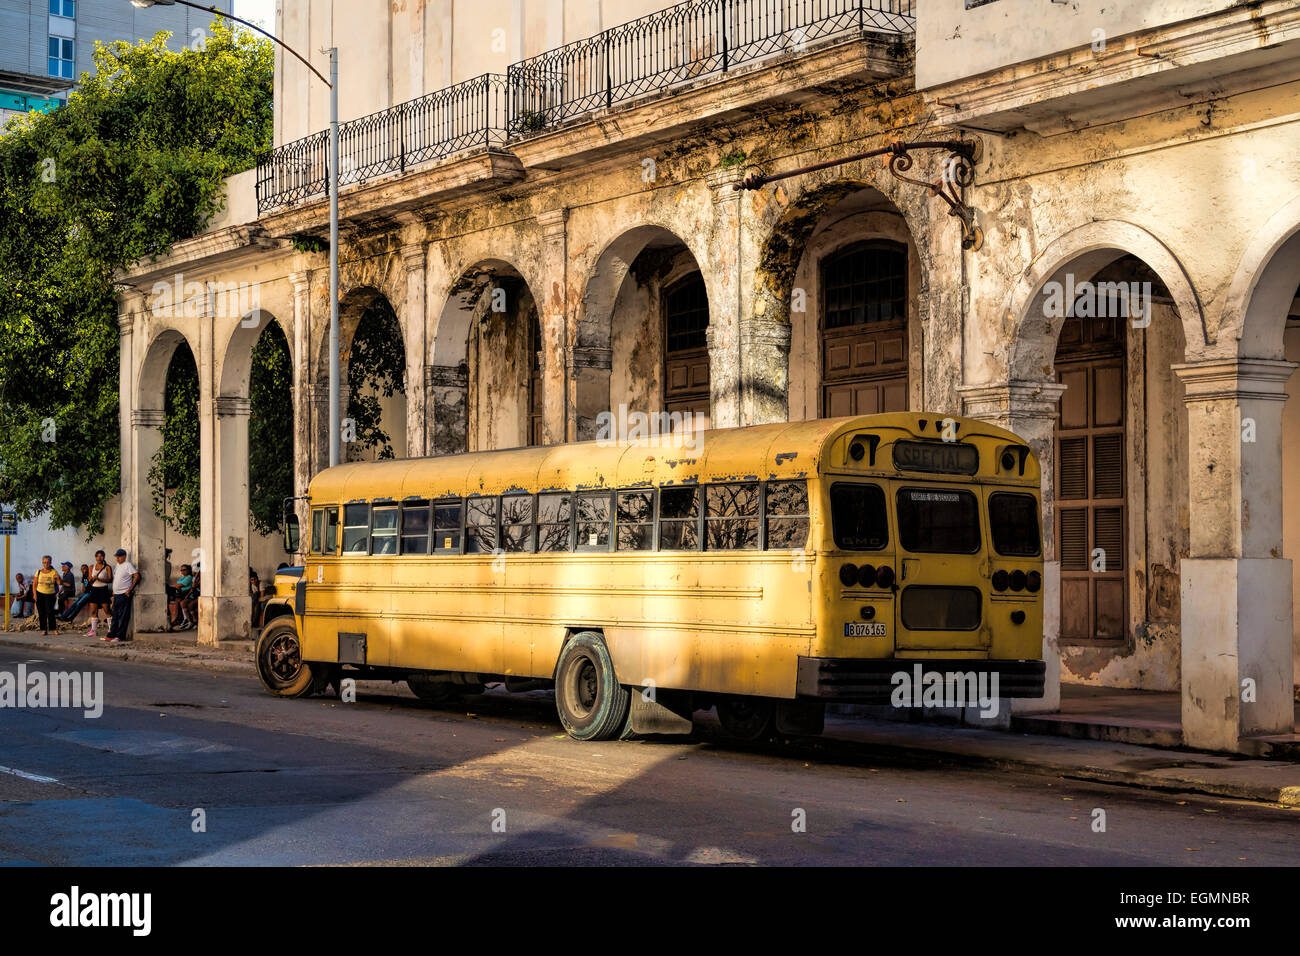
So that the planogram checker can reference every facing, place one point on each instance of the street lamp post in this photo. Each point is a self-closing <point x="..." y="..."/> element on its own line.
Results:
<point x="333" y="84"/>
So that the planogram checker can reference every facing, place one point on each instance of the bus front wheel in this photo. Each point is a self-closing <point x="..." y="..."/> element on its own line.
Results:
<point x="588" y="697"/>
<point x="279" y="661"/>
<point x="747" y="718"/>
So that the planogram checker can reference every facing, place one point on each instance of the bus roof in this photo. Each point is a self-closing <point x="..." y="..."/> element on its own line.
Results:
<point x="781" y="450"/>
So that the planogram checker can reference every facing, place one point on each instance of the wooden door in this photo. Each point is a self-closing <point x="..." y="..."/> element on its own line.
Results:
<point x="686" y="352"/>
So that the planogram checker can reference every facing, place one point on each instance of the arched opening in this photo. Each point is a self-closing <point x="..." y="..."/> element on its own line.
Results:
<point x="841" y="263"/>
<point x="372" y="364"/>
<point x="173" y="474"/>
<point x="1121" y="429"/>
<point x="486" y="374"/>
<point x="270" y="430"/>
<point x="643" y="336"/>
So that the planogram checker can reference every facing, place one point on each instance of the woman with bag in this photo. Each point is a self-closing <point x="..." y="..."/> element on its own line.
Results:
<point x="101" y="582"/>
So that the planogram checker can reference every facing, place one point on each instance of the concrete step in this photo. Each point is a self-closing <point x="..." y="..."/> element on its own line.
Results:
<point x="1146" y="733"/>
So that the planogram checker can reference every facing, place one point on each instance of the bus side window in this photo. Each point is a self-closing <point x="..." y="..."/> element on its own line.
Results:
<point x="356" y="528"/>
<point x="787" y="514"/>
<point x="679" y="512"/>
<point x="446" y="528"/>
<point x="415" y="527"/>
<point x="517" y="523"/>
<point x="331" y="531"/>
<point x="731" y="516"/>
<point x="480" y="525"/>
<point x="555" y="522"/>
<point x="636" y="520"/>
<point x="593" y="521"/>
<point x="317" y="524"/>
<point x="383" y="530"/>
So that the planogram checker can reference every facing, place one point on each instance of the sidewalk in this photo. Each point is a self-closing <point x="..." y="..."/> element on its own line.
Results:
<point x="852" y="738"/>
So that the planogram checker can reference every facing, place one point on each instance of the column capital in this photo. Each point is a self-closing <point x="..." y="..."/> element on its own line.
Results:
<point x="554" y="223"/>
<point x="301" y="282"/>
<point x="413" y="256"/>
<point x="1014" y="399"/>
<point x="722" y="183"/>
<point x="586" y="356"/>
<point x="148" y="418"/>
<point x="764" y="332"/>
<point x="446" y="376"/>
<point x="229" y="406"/>
<point x="1235" y="379"/>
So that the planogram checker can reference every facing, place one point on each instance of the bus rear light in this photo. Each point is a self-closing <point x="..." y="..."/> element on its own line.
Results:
<point x="1000" y="580"/>
<point x="1017" y="617"/>
<point x="848" y="574"/>
<point x="1034" y="581"/>
<point x="1017" y="580"/>
<point x="867" y="612"/>
<point x="867" y="576"/>
<point x="884" y="575"/>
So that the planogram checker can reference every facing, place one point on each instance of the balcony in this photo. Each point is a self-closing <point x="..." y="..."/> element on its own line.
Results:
<point x="672" y="49"/>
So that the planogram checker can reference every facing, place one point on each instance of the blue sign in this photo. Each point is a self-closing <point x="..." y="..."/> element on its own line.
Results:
<point x="8" y="522"/>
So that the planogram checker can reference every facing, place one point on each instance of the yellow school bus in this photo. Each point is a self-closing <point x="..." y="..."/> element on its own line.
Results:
<point x="764" y="571"/>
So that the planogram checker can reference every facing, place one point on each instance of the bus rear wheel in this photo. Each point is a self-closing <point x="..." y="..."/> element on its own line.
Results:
<point x="588" y="697"/>
<point x="747" y="718"/>
<point x="279" y="662"/>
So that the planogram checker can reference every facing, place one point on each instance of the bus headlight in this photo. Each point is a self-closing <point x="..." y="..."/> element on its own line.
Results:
<point x="1017" y="580"/>
<point x="999" y="580"/>
<point x="866" y="575"/>
<point x="848" y="574"/>
<point x="884" y="575"/>
<point x="1034" y="581"/>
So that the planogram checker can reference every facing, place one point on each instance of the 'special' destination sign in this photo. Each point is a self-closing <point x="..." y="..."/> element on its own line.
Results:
<point x="936" y="457"/>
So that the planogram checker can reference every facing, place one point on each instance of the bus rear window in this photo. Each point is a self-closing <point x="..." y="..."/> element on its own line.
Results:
<point x="1013" y="522"/>
<point x="938" y="520"/>
<point x="858" y="517"/>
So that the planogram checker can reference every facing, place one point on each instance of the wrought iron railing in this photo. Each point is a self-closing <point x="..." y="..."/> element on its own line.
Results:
<point x="657" y="52"/>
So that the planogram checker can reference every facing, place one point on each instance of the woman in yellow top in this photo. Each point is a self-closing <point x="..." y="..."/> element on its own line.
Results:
<point x="47" y="587"/>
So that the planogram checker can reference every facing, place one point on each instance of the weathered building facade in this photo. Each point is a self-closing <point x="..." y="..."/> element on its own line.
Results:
<point x="567" y="237"/>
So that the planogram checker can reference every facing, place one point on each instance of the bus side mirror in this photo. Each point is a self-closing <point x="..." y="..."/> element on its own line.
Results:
<point x="291" y="533"/>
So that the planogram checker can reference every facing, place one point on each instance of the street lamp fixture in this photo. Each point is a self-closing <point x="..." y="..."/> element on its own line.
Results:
<point x="333" y="84"/>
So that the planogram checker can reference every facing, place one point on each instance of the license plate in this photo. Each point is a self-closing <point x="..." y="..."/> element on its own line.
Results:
<point x="865" y="630"/>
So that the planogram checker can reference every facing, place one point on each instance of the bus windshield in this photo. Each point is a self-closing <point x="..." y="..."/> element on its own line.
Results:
<point x="938" y="520"/>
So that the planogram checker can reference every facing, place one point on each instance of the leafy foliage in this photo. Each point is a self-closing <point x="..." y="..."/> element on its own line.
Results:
<point x="134" y="162"/>
<point x="175" y="469"/>
<point x="376" y="366"/>
<point x="270" y="431"/>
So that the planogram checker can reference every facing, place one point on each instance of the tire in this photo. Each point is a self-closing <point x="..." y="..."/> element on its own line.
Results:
<point x="747" y="718"/>
<point x="588" y="697"/>
<point x="279" y="661"/>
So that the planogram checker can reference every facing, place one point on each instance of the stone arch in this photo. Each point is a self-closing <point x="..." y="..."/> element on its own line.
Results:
<point x="483" y="364"/>
<point x="1086" y="250"/>
<point x="620" y="356"/>
<point x="1262" y="287"/>
<point x="822" y="219"/>
<point x="151" y="377"/>
<point x="237" y="356"/>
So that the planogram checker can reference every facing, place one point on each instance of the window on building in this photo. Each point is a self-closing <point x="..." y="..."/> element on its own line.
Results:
<point x="62" y="56"/>
<point x="64" y="8"/>
<point x="865" y="283"/>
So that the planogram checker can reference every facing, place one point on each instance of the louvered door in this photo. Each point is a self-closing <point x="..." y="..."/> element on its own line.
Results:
<point x="1091" y="523"/>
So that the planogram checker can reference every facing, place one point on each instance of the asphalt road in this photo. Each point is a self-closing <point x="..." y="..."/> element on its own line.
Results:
<point x="390" y="780"/>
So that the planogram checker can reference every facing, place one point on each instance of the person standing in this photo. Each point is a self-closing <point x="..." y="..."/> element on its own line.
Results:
<point x="47" y="590"/>
<point x="125" y="578"/>
<point x="101" y="589"/>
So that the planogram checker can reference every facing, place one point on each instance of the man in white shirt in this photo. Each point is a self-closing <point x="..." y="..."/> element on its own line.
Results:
<point x="125" y="578"/>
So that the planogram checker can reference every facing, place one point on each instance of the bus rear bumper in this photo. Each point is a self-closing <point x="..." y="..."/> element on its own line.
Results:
<point x="862" y="681"/>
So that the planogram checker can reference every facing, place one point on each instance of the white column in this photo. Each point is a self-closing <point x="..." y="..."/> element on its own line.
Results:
<point x="727" y="366"/>
<point x="1236" y="587"/>
<point x="558" y="332"/>
<point x="413" y="257"/>
<point x="303" y="465"/>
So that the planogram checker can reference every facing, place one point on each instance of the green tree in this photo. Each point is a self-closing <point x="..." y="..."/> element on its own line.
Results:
<point x="132" y="163"/>
<point x="376" y="366"/>
<point x="270" y="430"/>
